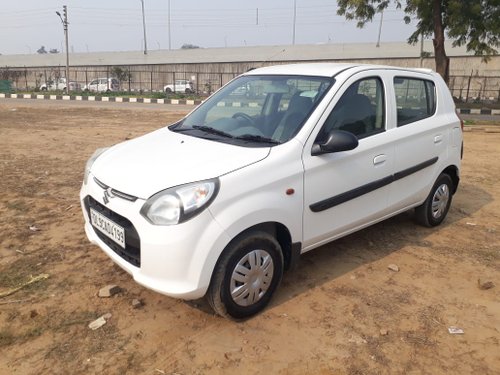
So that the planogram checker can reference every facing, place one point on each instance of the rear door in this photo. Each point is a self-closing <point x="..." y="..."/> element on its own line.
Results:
<point x="423" y="137"/>
<point x="347" y="190"/>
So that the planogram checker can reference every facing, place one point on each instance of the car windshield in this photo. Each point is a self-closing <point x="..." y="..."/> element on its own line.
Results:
<point x="256" y="111"/>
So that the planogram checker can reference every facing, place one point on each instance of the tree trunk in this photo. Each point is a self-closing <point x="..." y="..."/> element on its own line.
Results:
<point x="442" y="61"/>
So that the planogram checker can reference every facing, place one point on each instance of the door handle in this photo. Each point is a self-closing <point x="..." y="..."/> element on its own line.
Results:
<point x="438" y="138"/>
<point x="379" y="159"/>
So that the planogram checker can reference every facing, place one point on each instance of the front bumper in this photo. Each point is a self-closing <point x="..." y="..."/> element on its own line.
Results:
<point x="175" y="260"/>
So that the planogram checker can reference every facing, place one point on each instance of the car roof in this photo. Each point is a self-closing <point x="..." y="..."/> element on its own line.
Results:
<point x="325" y="69"/>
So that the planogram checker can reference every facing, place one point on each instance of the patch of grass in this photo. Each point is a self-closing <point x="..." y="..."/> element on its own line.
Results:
<point x="477" y="104"/>
<point x="76" y="318"/>
<point x="17" y="205"/>
<point x="17" y="272"/>
<point x="122" y="94"/>
<point x="32" y="333"/>
<point x="6" y="337"/>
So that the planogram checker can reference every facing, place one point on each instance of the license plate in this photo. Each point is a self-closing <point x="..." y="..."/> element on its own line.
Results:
<point x="108" y="227"/>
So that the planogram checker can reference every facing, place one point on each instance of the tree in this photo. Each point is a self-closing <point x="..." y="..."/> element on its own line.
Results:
<point x="122" y="74"/>
<point x="473" y="23"/>
<point x="53" y="50"/>
<point x="41" y="50"/>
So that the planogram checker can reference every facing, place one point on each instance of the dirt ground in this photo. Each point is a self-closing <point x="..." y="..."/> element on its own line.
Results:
<point x="341" y="312"/>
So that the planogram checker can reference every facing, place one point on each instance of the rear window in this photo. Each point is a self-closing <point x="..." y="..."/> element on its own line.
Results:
<point x="415" y="99"/>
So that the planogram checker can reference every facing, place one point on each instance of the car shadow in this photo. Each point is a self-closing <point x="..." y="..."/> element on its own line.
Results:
<point x="368" y="245"/>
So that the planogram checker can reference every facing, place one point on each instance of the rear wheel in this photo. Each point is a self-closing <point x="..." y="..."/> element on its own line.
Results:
<point x="433" y="211"/>
<point x="246" y="276"/>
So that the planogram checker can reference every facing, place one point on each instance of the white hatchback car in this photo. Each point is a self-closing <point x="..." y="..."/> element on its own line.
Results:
<point x="60" y="84"/>
<point x="223" y="201"/>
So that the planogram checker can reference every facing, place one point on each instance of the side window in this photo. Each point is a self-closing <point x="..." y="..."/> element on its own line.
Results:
<point x="415" y="99"/>
<point x="360" y="110"/>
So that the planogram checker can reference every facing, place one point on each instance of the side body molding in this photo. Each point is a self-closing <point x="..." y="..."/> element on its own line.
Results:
<point x="368" y="188"/>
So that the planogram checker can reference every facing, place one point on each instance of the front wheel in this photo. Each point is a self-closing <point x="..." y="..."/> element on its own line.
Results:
<point x="433" y="211"/>
<point x="246" y="276"/>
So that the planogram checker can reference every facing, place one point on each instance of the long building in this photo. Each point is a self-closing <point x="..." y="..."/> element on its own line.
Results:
<point x="209" y="68"/>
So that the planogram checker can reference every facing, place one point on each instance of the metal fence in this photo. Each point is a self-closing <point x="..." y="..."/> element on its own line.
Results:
<point x="475" y="88"/>
<point x="153" y="79"/>
<point x="131" y="80"/>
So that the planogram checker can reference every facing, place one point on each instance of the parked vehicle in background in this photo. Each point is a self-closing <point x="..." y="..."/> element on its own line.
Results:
<point x="180" y="86"/>
<point x="103" y="85"/>
<point x="60" y="84"/>
<point x="220" y="203"/>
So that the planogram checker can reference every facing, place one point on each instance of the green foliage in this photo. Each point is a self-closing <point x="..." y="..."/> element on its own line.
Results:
<point x="158" y="95"/>
<point x="476" y="24"/>
<point x="122" y="74"/>
<point x="473" y="23"/>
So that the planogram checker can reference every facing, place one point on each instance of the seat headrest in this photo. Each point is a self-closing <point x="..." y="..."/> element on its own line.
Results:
<point x="299" y="103"/>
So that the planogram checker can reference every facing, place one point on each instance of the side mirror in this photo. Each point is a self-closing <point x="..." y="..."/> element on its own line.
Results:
<point x="337" y="140"/>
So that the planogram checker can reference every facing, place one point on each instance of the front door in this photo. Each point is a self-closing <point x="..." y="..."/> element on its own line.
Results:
<point x="346" y="190"/>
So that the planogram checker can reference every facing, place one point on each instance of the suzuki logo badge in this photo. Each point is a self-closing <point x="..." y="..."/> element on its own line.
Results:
<point x="108" y="194"/>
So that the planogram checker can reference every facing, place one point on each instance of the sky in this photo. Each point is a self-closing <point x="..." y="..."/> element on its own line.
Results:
<point x="116" y="25"/>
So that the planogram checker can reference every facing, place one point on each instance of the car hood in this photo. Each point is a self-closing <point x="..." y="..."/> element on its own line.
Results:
<point x="146" y="165"/>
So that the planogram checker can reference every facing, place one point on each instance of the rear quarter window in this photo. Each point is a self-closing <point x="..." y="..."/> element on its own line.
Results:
<point x="415" y="99"/>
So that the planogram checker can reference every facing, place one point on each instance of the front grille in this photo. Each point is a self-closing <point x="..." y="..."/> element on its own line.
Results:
<point x="114" y="192"/>
<point x="132" y="251"/>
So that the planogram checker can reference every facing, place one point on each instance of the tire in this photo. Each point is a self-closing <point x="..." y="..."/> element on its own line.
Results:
<point x="187" y="91"/>
<point x="433" y="211"/>
<point x="168" y="90"/>
<point x="259" y="259"/>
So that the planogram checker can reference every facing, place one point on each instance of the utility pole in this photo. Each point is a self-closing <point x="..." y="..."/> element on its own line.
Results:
<point x="294" y="19"/>
<point x="64" y="20"/>
<point x="380" y="27"/>
<point x="169" y="29"/>
<point x="144" y="28"/>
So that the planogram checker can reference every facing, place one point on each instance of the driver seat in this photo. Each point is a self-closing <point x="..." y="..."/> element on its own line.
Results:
<point x="298" y="108"/>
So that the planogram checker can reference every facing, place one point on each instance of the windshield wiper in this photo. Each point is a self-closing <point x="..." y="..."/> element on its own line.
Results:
<point x="211" y="130"/>
<point x="257" y="138"/>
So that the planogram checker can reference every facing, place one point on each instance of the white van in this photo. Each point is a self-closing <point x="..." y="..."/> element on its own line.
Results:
<point x="180" y="86"/>
<point x="220" y="203"/>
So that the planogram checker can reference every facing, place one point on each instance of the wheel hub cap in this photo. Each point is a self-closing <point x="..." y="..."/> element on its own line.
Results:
<point x="251" y="277"/>
<point x="440" y="201"/>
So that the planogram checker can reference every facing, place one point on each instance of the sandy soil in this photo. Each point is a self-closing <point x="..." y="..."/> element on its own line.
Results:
<point x="341" y="312"/>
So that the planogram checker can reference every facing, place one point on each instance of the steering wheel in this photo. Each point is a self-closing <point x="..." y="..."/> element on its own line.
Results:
<point x="244" y="116"/>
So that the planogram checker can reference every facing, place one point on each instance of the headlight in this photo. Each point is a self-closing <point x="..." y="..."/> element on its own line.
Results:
<point x="178" y="204"/>
<point x="91" y="161"/>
